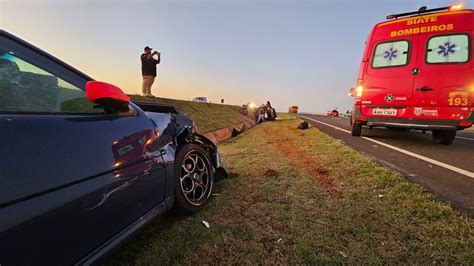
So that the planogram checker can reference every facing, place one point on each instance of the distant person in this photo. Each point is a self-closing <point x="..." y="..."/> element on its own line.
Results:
<point x="269" y="105"/>
<point x="149" y="69"/>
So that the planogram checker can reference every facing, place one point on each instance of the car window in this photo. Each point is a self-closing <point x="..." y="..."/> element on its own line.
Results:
<point x="391" y="54"/>
<point x="448" y="49"/>
<point x="26" y="88"/>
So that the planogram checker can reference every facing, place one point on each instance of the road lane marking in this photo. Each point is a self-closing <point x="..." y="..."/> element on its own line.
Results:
<point x="464" y="138"/>
<point x="418" y="156"/>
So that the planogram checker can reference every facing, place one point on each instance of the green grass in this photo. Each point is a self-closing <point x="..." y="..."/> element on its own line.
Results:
<point x="302" y="197"/>
<point x="207" y="116"/>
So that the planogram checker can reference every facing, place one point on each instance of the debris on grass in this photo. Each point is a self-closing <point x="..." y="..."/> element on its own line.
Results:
<point x="380" y="195"/>
<point x="206" y="224"/>
<point x="343" y="254"/>
<point x="304" y="125"/>
<point x="271" y="173"/>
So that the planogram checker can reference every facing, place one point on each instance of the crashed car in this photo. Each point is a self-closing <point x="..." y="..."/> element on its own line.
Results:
<point x="82" y="167"/>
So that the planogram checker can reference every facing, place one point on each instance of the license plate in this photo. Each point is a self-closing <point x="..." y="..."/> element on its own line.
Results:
<point x="387" y="112"/>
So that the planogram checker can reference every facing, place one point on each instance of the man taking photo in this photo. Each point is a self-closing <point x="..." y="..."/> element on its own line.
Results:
<point x="149" y="69"/>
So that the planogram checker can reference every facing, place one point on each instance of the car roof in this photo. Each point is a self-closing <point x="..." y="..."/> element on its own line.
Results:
<point x="43" y="53"/>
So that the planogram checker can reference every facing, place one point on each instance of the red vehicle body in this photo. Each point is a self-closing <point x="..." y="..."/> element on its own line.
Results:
<point x="293" y="109"/>
<point x="417" y="72"/>
<point x="333" y="113"/>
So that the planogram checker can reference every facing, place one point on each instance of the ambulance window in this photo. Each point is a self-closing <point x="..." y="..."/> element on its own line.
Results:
<point x="391" y="54"/>
<point x="448" y="49"/>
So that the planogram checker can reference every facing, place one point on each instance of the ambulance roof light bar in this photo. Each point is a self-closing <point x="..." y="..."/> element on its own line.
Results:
<point x="424" y="9"/>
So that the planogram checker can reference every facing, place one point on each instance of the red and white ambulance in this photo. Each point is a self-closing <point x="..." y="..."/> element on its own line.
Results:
<point x="417" y="72"/>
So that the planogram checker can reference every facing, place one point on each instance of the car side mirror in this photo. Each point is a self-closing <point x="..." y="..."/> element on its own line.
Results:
<point x="107" y="96"/>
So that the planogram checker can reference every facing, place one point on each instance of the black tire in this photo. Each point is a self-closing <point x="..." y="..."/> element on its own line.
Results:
<point x="445" y="137"/>
<point x="356" y="130"/>
<point x="195" y="180"/>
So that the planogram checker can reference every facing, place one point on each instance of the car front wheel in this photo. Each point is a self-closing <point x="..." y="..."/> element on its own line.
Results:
<point x="194" y="179"/>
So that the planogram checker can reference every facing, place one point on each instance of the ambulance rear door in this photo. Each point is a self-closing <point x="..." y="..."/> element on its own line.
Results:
<point x="389" y="78"/>
<point x="443" y="86"/>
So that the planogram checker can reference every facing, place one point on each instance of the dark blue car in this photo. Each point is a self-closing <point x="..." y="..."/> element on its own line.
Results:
<point x="81" y="167"/>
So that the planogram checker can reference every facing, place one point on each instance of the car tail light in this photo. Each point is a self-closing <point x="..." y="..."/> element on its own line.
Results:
<point x="361" y="118"/>
<point x="465" y="124"/>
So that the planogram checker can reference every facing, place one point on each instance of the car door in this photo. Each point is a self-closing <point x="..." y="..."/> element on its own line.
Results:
<point x="72" y="176"/>
<point x="443" y="87"/>
<point x="389" y="75"/>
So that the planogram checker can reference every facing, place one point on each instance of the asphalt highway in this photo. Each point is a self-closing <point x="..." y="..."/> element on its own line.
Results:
<point x="447" y="171"/>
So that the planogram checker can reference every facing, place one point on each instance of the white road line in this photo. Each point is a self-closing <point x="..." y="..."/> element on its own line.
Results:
<point x="464" y="138"/>
<point x="418" y="156"/>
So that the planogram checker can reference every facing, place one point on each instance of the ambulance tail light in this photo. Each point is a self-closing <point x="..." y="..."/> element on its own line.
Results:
<point x="455" y="7"/>
<point x="359" y="90"/>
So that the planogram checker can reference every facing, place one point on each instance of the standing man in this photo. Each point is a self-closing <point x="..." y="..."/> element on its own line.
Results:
<point x="149" y="69"/>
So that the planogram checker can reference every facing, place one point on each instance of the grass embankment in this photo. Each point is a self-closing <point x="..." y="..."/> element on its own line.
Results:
<point x="207" y="116"/>
<point x="304" y="197"/>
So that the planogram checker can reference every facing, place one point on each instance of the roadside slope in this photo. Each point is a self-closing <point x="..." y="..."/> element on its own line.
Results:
<point x="207" y="116"/>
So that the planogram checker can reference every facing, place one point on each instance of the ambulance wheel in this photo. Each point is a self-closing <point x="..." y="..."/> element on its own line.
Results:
<point x="356" y="130"/>
<point x="445" y="137"/>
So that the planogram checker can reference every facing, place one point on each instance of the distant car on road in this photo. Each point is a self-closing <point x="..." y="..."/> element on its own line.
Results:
<point x="200" y="99"/>
<point x="293" y="109"/>
<point x="347" y="114"/>
<point x="333" y="113"/>
<point x="82" y="168"/>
